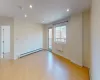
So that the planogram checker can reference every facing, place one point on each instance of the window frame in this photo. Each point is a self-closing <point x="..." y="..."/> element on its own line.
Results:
<point x="65" y="39"/>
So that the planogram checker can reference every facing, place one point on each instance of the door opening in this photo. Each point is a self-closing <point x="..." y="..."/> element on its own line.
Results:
<point x="5" y="42"/>
<point x="50" y="39"/>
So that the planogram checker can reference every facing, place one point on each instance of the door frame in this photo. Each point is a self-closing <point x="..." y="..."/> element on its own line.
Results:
<point x="1" y="40"/>
<point x="48" y="38"/>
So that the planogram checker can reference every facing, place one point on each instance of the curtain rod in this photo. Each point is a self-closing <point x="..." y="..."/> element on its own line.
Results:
<point x="60" y="22"/>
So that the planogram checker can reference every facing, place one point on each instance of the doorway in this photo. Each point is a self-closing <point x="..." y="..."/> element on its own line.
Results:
<point x="50" y="39"/>
<point x="5" y="42"/>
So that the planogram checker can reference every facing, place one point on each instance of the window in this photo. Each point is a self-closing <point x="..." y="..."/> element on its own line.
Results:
<point x="60" y="34"/>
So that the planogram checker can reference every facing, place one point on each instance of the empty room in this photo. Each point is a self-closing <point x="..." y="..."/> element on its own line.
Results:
<point x="49" y="40"/>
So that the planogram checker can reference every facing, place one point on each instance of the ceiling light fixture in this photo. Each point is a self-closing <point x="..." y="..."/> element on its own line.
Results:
<point x="25" y="15"/>
<point x="30" y="6"/>
<point x="67" y="10"/>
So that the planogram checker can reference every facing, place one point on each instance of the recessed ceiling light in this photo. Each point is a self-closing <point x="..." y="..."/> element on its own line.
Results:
<point x="67" y="10"/>
<point x="25" y="15"/>
<point x="30" y="6"/>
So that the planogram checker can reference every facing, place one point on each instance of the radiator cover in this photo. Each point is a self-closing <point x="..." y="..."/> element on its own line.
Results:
<point x="31" y="52"/>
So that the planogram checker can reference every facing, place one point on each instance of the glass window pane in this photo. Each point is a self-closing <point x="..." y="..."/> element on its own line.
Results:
<point x="57" y="32"/>
<point x="50" y="33"/>
<point x="60" y="34"/>
<point x="62" y="40"/>
<point x="63" y="32"/>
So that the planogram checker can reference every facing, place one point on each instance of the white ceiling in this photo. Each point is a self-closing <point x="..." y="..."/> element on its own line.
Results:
<point x="43" y="10"/>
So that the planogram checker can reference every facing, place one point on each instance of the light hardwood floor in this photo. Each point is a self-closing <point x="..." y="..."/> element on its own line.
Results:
<point x="41" y="66"/>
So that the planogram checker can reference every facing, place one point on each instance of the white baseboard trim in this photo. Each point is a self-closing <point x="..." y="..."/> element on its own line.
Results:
<point x="61" y="55"/>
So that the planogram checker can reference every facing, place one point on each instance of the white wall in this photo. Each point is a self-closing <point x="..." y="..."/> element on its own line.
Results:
<point x="45" y="37"/>
<point x="27" y="37"/>
<point x="72" y="50"/>
<point x="95" y="40"/>
<point x="77" y="48"/>
<point x="86" y="38"/>
<point x="75" y="39"/>
<point x="8" y="21"/>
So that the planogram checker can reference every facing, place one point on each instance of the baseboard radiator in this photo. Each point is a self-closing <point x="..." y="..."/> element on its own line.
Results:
<point x="31" y="52"/>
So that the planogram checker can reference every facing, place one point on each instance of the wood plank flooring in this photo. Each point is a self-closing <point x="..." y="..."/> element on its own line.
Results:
<point x="41" y="66"/>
